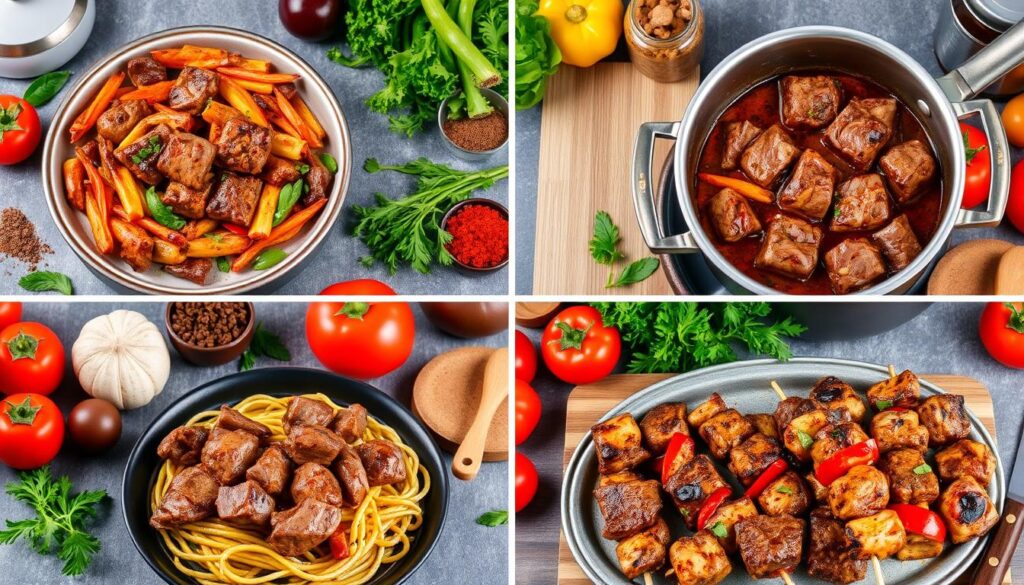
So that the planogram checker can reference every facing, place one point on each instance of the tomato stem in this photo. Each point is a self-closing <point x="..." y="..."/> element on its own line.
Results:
<point x="353" y="310"/>
<point x="1016" y="320"/>
<point x="970" y="152"/>
<point x="22" y="414"/>
<point x="23" y="346"/>
<point x="9" y="119"/>
<point x="572" y="338"/>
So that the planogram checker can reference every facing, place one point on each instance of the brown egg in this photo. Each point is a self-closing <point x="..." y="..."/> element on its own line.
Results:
<point x="468" y="320"/>
<point x="95" y="425"/>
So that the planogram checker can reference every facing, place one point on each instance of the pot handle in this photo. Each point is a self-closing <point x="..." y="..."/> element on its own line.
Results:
<point x="986" y="66"/>
<point x="999" y="150"/>
<point x="643" y="195"/>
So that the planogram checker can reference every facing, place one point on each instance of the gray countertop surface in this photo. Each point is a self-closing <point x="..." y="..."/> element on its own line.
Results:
<point x="941" y="340"/>
<point x="729" y="24"/>
<point x="480" y="553"/>
<point x="122" y="21"/>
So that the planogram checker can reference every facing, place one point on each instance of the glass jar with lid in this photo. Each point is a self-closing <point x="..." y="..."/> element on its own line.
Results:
<point x="665" y="37"/>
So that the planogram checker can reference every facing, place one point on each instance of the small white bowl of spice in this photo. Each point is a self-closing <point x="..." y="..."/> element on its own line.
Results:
<point x="475" y="139"/>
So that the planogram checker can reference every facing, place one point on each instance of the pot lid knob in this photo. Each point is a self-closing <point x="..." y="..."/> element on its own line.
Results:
<point x="28" y="27"/>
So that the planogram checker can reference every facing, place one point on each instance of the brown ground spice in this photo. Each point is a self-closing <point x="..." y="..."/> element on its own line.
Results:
<point x="209" y="324"/>
<point x="18" y="238"/>
<point x="478" y="134"/>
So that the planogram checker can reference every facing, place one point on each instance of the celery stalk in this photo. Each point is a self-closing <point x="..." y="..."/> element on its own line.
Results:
<point x="465" y="51"/>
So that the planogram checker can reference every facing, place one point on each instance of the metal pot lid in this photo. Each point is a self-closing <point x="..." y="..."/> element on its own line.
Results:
<point x="998" y="14"/>
<point x="30" y="27"/>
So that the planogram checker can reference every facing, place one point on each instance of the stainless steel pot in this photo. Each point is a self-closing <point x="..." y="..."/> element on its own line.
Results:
<point x="967" y="26"/>
<point x="937" y="103"/>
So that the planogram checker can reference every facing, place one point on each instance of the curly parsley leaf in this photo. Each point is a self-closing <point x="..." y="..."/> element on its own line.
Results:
<point x="604" y="244"/>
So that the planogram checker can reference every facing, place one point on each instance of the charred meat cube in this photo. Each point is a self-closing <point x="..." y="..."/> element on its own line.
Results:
<point x="383" y="462"/>
<point x="232" y="420"/>
<point x="193" y="88"/>
<point x="732" y="216"/>
<point x="738" y="135"/>
<point x="911" y="480"/>
<point x="143" y="71"/>
<point x="809" y="190"/>
<point x="919" y="547"/>
<point x="966" y="458"/>
<point x="967" y="510"/>
<point x="279" y="172"/>
<point x="243" y="146"/>
<point x="247" y="504"/>
<point x="724" y="431"/>
<point x="790" y="408"/>
<point x="306" y="411"/>
<point x="118" y="121"/>
<point x="833" y="438"/>
<point x="661" y="423"/>
<point x="898" y="242"/>
<point x="768" y="155"/>
<point x="798" y="435"/>
<point x="185" y="200"/>
<point x="770" y="544"/>
<point x="227" y="454"/>
<point x="790" y="247"/>
<point x="819" y="491"/>
<point x="854" y="264"/>
<point x="899" y="429"/>
<point x="183" y="446"/>
<point x="312" y="444"/>
<point x="135" y="246"/>
<point x="299" y="529"/>
<point x="751" y="457"/>
<point x="643" y="552"/>
<point x="193" y="269"/>
<point x="235" y="199"/>
<point x="862" y="204"/>
<point x="945" y="418"/>
<point x="271" y="470"/>
<point x="861" y="130"/>
<point x="191" y="497"/>
<point x="764" y="424"/>
<point x="350" y="423"/>
<point x="629" y="506"/>
<point x="699" y="560"/>
<point x="829" y="557"/>
<point x="692" y="485"/>
<point x="908" y="168"/>
<point x="352" y="476"/>
<point x="313" y="480"/>
<point x="809" y="102"/>
<point x="787" y="495"/>
<point x="705" y="410"/>
<point x="187" y="159"/>
<point x="142" y="155"/>
<point x="318" y="179"/>
<point x="904" y="391"/>
<point x="727" y="516"/>
<point x="837" y="396"/>
<point x="619" y="444"/>
<point x="878" y="535"/>
<point x="863" y="491"/>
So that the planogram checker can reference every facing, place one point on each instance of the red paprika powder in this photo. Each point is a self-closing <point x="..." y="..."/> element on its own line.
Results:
<point x="479" y="236"/>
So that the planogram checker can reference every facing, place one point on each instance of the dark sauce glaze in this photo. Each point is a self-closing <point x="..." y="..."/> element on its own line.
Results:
<point x="761" y="106"/>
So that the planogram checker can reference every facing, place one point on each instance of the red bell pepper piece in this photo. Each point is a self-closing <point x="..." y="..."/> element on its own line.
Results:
<point x="676" y="444"/>
<point x="339" y="543"/>
<point x="836" y="466"/>
<point x="707" y="510"/>
<point x="920" y="521"/>
<point x="777" y="468"/>
<point x="236" y="229"/>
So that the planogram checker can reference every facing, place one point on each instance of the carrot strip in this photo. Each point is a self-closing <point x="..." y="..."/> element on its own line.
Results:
<point x="263" y="220"/>
<point x="122" y="91"/>
<point x="252" y="64"/>
<point x="198" y="228"/>
<point x="287" y="229"/>
<point x="130" y="193"/>
<point x="150" y="225"/>
<point x="257" y="76"/>
<point x="255" y="86"/>
<point x="216" y="112"/>
<point x="176" y="120"/>
<point x="296" y="120"/>
<point x="87" y="119"/>
<point x="74" y="183"/>
<point x="745" y="188"/>
<point x="99" y="226"/>
<point x="215" y="128"/>
<point x="286" y="146"/>
<point x="191" y="56"/>
<point x="217" y="244"/>
<point x="165" y="252"/>
<point x="308" y="116"/>
<point x="157" y="92"/>
<point x="284" y="125"/>
<point x="241" y="100"/>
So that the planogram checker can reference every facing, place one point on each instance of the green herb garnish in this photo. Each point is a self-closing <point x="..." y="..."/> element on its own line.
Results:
<point x="604" y="250"/>
<point x="329" y="162"/>
<point x="883" y="404"/>
<point x="46" y="87"/>
<point x="153" y="146"/>
<point x="784" y="489"/>
<point x="922" y="469"/>
<point x="493" y="518"/>
<point x="719" y="529"/>
<point x="301" y="168"/>
<point x="45" y="280"/>
<point x="805" y="440"/>
<point x="223" y="265"/>
<point x="162" y="213"/>
<point x="269" y="257"/>
<point x="286" y="200"/>
<point x="264" y="344"/>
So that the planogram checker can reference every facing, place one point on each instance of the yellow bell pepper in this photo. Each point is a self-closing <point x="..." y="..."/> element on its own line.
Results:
<point x="586" y="31"/>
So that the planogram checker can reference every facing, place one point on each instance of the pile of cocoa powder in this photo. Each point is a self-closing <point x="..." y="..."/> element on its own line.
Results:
<point x="19" y="240"/>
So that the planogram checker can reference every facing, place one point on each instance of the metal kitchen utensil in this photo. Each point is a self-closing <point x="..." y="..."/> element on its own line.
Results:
<point x="967" y="26"/>
<point x="999" y="554"/>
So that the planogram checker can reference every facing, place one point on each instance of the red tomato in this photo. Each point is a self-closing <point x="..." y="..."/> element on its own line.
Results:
<point x="360" y="287"/>
<point x="578" y="348"/>
<point x="979" y="166"/>
<point x="526" y="358"/>
<point x="31" y="430"/>
<point x="19" y="129"/>
<point x="9" y="313"/>
<point x="1015" y="207"/>
<point x="528" y="409"/>
<point x="526" y="481"/>
<point x="361" y="340"/>
<point x="31" y="359"/>
<point x="1002" y="333"/>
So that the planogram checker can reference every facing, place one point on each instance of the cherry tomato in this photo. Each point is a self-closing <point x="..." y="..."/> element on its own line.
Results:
<point x="979" y="166"/>
<point x="578" y="348"/>
<point x="1013" y="121"/>
<point x="9" y="313"/>
<point x="1015" y="207"/>
<point x="1002" y="332"/>
<point x="526" y="481"/>
<point x="526" y="358"/>
<point x="31" y="359"/>
<point x="528" y="409"/>
<point x="19" y="129"/>
<point x="31" y="430"/>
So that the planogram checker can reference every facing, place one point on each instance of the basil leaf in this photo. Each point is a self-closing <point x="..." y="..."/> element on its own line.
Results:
<point x="922" y="469"/>
<point x="329" y="162"/>
<point x="269" y="344"/>
<point x="46" y="87"/>
<point x="883" y="404"/>
<point x="637" y="272"/>
<point x="44" y="281"/>
<point x="161" y="213"/>
<point x="248" y="360"/>
<point x="805" y="440"/>
<point x="719" y="530"/>
<point x="286" y="200"/>
<point x="493" y="518"/>
<point x="223" y="265"/>
<point x="784" y="489"/>
<point x="268" y="258"/>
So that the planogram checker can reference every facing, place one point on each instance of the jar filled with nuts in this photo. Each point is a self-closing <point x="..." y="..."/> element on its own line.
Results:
<point x="665" y="37"/>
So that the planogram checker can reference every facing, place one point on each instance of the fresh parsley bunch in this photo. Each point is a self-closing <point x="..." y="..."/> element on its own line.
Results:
<point x="604" y="249"/>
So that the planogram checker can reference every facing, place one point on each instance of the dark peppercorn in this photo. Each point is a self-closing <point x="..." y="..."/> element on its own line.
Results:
<point x="209" y="324"/>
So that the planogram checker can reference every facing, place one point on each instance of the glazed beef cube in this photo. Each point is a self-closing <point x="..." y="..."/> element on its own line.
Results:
<point x="853" y="265"/>
<point x="227" y="454"/>
<point x="306" y="411"/>
<point x="839" y="398"/>
<point x="728" y="515"/>
<point x="194" y="269"/>
<point x="619" y="444"/>
<point x="829" y="557"/>
<point x="878" y="535"/>
<point x="732" y="216"/>
<point x="724" y="431"/>
<point x="299" y="529"/>
<point x="751" y="457"/>
<point x="809" y="190"/>
<point x="699" y="560"/>
<point x="945" y="418"/>
<point x="691" y="486"/>
<point x="135" y="246"/>
<point x="808" y="423"/>
<point x="382" y="461"/>
<point x="246" y="504"/>
<point x="863" y="204"/>
<point x="863" y="491"/>
<point x="898" y="242"/>
<point x="142" y="156"/>
<point x="628" y="507"/>
<point x="738" y="135"/>
<point x="833" y="438"/>
<point x="232" y="420"/>
<point x="352" y="476"/>
<point x="903" y="390"/>
<point x="809" y="102"/>
<point x="768" y="155"/>
<point x="790" y="408"/>
<point x="790" y="247"/>
<point x="899" y="429"/>
<point x="235" y="199"/>
<point x="312" y="480"/>
<point x="188" y="160"/>
<point x="319" y="181"/>
<point x="661" y="423"/>
<point x="906" y="485"/>
<point x="279" y="172"/>
<point x="909" y="168"/>
<point x="966" y="458"/>
<point x="183" y="445"/>
<point x="190" y="498"/>
<point x="786" y="495"/>
<point x="185" y="200"/>
<point x="862" y="129"/>
<point x="350" y="423"/>
<point x="769" y="544"/>
<point x="643" y="552"/>
<point x="143" y="71"/>
<point x="243" y="146"/>
<point x="312" y="444"/>
<point x="192" y="89"/>
<point x="115" y="123"/>
<point x="705" y="410"/>
<point x="271" y="470"/>
<point x="92" y="151"/>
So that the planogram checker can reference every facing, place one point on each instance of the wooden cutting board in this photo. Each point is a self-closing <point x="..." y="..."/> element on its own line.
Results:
<point x="590" y="402"/>
<point x="589" y="122"/>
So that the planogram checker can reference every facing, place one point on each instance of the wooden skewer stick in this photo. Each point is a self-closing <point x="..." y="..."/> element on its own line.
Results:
<point x="877" y="566"/>
<point x="786" y="578"/>
<point x="892" y="371"/>
<point x="647" y="579"/>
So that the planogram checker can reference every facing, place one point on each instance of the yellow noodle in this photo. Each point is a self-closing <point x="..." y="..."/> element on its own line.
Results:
<point x="214" y="552"/>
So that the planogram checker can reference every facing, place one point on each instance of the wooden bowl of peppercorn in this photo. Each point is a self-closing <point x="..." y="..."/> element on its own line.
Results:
<point x="479" y="230"/>
<point x="210" y="334"/>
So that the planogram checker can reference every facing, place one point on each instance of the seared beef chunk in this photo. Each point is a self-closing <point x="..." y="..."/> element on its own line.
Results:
<point x="768" y="155"/>
<point x="92" y="151"/>
<point x="732" y="216"/>
<point x="629" y="505"/>
<point x="619" y="444"/>
<point x="863" y="204"/>
<point x="967" y="510"/>
<point x="187" y="159"/>
<point x="727" y="516"/>
<point x="235" y="199"/>
<point x="899" y="429"/>
<point x="279" y="172"/>
<point x="350" y="423"/>
<point x="770" y="544"/>
<point x="854" y="264"/>
<point x="232" y="420"/>
<point x="908" y="482"/>
<point x="945" y="418"/>
<point x="227" y="454"/>
<point x="738" y="135"/>
<point x="271" y="470"/>
<point x="349" y="469"/>
<point x="790" y="247"/>
<point x="699" y="560"/>
<point x="643" y="552"/>
<point x="877" y="535"/>
<point x="306" y="411"/>
<point x="312" y="444"/>
<point x="829" y="557"/>
<point x="193" y="269"/>
<point x="705" y="410"/>
<point x="183" y="445"/>
<point x="243" y="146"/>
<point x="661" y="423"/>
<point x="863" y="491"/>
<point x="135" y="246"/>
<point x="966" y="458"/>
<point x="246" y="504"/>
<point x="904" y="391"/>
<point x="193" y="88"/>
<point x="383" y="462"/>
<point x="898" y="242"/>
<point x="143" y="71"/>
<point x="691" y="485"/>
<point x="142" y="155"/>
<point x="786" y="495"/>
<point x="115" y="123"/>
<point x="790" y="408"/>
<point x="809" y="102"/>
<point x="833" y="438"/>
<point x="319" y="181"/>
<point x="190" y="498"/>
<point x="751" y="457"/>
<point x="186" y="201"/>
<point x="862" y="129"/>
<point x="724" y="431"/>
<point x="299" y="529"/>
<point x="316" y="481"/>
<point x="839" y="398"/>
<point x="908" y="168"/>
<point x="809" y="190"/>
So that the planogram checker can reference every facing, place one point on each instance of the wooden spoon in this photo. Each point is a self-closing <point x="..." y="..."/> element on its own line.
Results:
<point x="1010" y="274"/>
<point x="467" y="459"/>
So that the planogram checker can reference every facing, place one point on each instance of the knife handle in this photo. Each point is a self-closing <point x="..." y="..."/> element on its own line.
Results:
<point x="996" y="561"/>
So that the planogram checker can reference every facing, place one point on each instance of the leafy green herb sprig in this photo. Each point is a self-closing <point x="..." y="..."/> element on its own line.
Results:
<point x="493" y="518"/>
<point x="264" y="344"/>
<point x="46" y="87"/>
<point x="46" y="281"/>
<point x="604" y="249"/>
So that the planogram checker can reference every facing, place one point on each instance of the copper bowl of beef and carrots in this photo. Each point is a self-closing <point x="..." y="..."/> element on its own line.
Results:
<point x="197" y="160"/>
<point x="825" y="470"/>
<point x="823" y="160"/>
